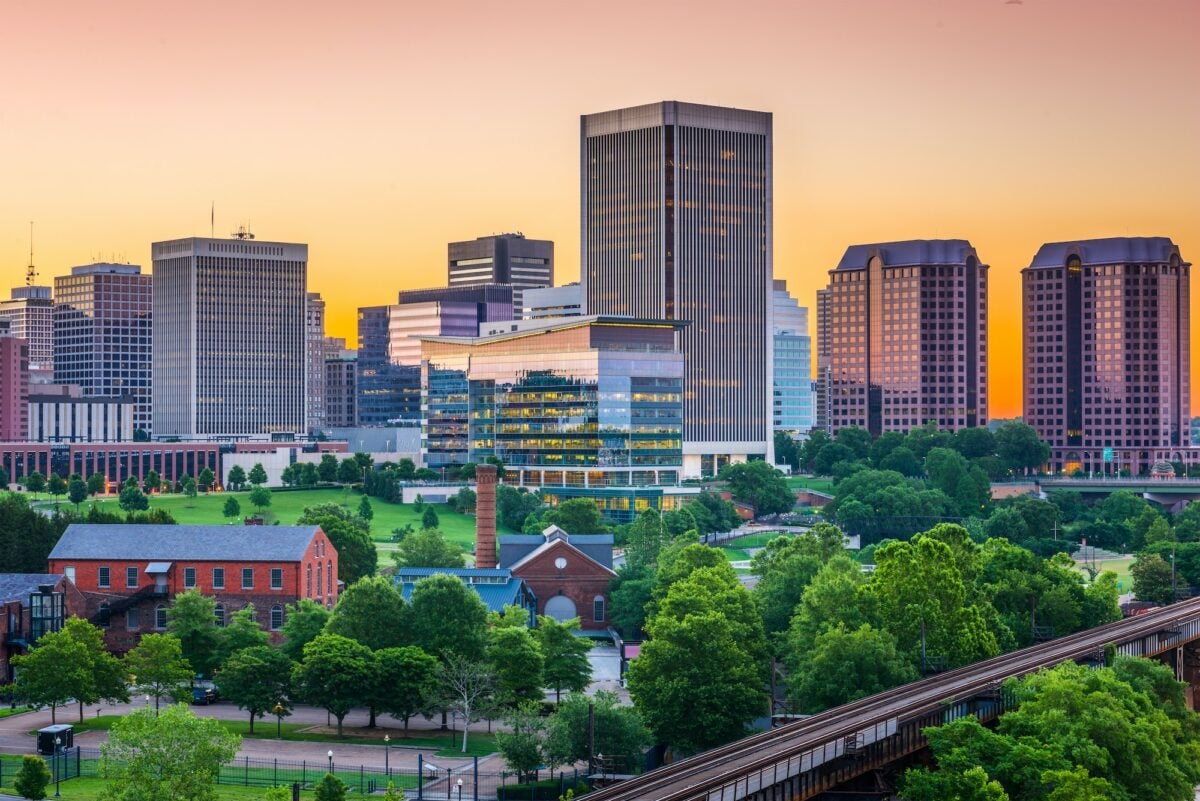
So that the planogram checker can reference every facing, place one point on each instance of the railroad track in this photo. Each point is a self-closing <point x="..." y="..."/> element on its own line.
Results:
<point x="695" y="777"/>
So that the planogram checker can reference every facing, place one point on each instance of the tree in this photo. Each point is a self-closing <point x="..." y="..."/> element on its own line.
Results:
<point x="206" y="479"/>
<point x="236" y="479"/>
<point x="4" y="478"/>
<point x="837" y="596"/>
<point x="617" y="730"/>
<point x="337" y="674"/>
<point x="350" y="536"/>
<point x="77" y="491"/>
<point x="903" y="461"/>
<point x="260" y="498"/>
<point x="330" y="788"/>
<point x="71" y="663"/>
<point x="304" y="620"/>
<point x="157" y="668"/>
<point x="256" y="679"/>
<point x="517" y="663"/>
<point x="309" y="475"/>
<point x="32" y="778"/>
<point x="784" y="567"/>
<point x="364" y="509"/>
<point x="629" y="594"/>
<point x="974" y="443"/>
<point x="857" y="440"/>
<point x="231" y="508"/>
<point x="786" y="450"/>
<point x="429" y="518"/>
<point x="428" y="548"/>
<point x="1152" y="579"/>
<point x="466" y="686"/>
<point x="191" y="618"/>
<point x="172" y="756"/>
<point x="349" y="471"/>
<point x="57" y="485"/>
<point x="258" y="475"/>
<point x="133" y="499"/>
<point x="760" y="485"/>
<point x="35" y="482"/>
<point x="565" y="656"/>
<point x="242" y="632"/>
<point x="1018" y="446"/>
<point x="95" y="483"/>
<point x="188" y="484"/>
<point x="371" y="611"/>
<point x="575" y="516"/>
<point x="846" y="665"/>
<point x="522" y="745"/>
<point x="152" y="482"/>
<point x="464" y="500"/>
<point x="448" y="619"/>
<point x="405" y="682"/>
<point x="514" y="505"/>
<point x="327" y="469"/>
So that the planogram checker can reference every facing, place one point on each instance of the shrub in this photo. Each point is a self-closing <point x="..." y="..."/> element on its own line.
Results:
<point x="33" y="777"/>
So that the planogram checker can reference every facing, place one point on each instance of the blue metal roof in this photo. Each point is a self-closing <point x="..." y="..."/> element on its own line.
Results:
<point x="495" y="596"/>
<point x="911" y="252"/>
<point x="1113" y="250"/>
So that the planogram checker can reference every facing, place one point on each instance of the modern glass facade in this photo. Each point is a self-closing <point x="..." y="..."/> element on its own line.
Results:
<point x="908" y="336"/>
<point x="1107" y="353"/>
<point x="591" y="404"/>
<point x="792" y="392"/>
<point x="677" y="224"/>
<point x="230" y="338"/>
<point x="103" y="334"/>
<point x="388" y="395"/>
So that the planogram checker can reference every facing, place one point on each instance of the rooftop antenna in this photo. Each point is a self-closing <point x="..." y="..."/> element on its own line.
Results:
<point x="30" y="271"/>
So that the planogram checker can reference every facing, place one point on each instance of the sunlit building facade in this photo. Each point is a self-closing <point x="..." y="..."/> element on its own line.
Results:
<point x="1107" y="376"/>
<point x="29" y="312"/>
<point x="388" y="394"/>
<point x="587" y="406"/>
<point x="907" y="336"/>
<point x="677" y="225"/>
<point x="792" y="387"/>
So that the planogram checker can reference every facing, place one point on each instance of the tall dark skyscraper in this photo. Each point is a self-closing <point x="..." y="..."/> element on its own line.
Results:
<point x="821" y="397"/>
<point x="1107" y="346"/>
<point x="677" y="224"/>
<point x="388" y="394"/>
<point x="502" y="259"/>
<point x="908" y="336"/>
<point x="102" y="334"/>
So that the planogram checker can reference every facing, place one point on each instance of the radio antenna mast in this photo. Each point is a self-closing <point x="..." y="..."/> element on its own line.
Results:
<point x="30" y="271"/>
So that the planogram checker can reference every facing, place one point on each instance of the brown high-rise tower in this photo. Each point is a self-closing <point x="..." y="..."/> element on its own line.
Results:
<point x="485" y="515"/>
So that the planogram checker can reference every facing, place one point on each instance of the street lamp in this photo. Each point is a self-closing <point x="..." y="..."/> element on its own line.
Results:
<point x="387" y="750"/>
<point x="330" y="755"/>
<point x="459" y="789"/>
<point x="278" y="720"/>
<point x="57" y="766"/>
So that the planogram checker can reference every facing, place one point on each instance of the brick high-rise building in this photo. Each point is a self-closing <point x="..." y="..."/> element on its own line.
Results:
<point x="14" y="390"/>
<point x="821" y="397"/>
<point x="908" y="336"/>
<point x="1107" y="348"/>
<point x="103" y="334"/>
<point x="677" y="225"/>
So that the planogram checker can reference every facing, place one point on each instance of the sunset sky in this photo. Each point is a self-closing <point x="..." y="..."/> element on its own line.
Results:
<point x="378" y="131"/>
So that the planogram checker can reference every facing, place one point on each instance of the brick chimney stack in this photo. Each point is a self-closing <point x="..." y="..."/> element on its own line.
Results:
<point x="485" y="515"/>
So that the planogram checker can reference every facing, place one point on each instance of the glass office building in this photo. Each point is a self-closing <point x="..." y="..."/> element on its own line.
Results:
<point x="590" y="406"/>
<point x="792" y="369"/>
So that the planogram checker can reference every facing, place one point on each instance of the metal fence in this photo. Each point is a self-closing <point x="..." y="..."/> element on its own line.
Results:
<point x="427" y="781"/>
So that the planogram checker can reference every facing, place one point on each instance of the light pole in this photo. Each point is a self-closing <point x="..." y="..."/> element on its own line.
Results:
<point x="330" y="755"/>
<point x="459" y="789"/>
<point x="278" y="720"/>
<point x="57" y="766"/>
<point x="387" y="750"/>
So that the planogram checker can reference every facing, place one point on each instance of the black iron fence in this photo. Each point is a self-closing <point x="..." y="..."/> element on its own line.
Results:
<point x="427" y="781"/>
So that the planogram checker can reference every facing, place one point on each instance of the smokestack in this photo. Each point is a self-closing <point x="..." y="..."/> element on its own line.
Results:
<point x="485" y="515"/>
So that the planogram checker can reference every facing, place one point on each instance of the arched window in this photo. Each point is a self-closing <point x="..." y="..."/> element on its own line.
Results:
<point x="308" y="581"/>
<point x="598" y="609"/>
<point x="276" y="617"/>
<point x="320" y="567"/>
<point x="160" y="617"/>
<point x="219" y="614"/>
<point x="329" y="578"/>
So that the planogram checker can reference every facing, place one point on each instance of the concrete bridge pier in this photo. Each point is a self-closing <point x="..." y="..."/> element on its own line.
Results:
<point x="1189" y="671"/>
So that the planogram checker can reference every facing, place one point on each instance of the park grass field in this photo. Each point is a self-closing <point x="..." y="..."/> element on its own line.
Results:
<point x="810" y="482"/>
<point x="287" y="506"/>
<point x="1120" y="566"/>
<point x="739" y="550"/>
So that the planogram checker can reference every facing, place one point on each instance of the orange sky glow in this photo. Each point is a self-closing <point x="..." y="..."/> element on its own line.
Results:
<point x="378" y="131"/>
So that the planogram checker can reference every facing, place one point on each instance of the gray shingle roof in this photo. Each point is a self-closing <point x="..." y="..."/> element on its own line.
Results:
<point x="911" y="252"/>
<point x="198" y="543"/>
<point x="1113" y="250"/>
<point x="19" y="586"/>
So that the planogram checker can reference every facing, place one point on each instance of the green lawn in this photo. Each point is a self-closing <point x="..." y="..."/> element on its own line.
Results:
<point x="286" y="508"/>
<point x="810" y="482"/>
<point x="448" y="744"/>
<point x="1119" y="566"/>
<point x="90" y="789"/>
<point x="9" y="712"/>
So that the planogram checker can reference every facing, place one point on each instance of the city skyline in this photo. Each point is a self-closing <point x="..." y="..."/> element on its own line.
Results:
<point x="988" y="121"/>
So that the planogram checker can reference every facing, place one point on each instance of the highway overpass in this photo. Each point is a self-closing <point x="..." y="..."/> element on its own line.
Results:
<point x="804" y="759"/>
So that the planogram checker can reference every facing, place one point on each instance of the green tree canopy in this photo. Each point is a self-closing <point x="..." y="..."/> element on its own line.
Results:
<point x="428" y="548"/>
<point x="327" y="469"/>
<point x="231" y="508"/>
<point x="448" y="618"/>
<point x="372" y="611"/>
<point x="337" y="674"/>
<point x="172" y="756"/>
<point x="242" y="632"/>
<point x="304" y="620"/>
<point x="523" y="744"/>
<point x="236" y="478"/>
<point x="258" y="475"/>
<point x="157" y="668"/>
<point x="844" y="666"/>
<point x="566" y="665"/>
<point x="517" y="663"/>
<point x="133" y="499"/>
<point x="760" y="485"/>
<point x="191" y="618"/>
<point x="406" y="682"/>
<point x="1019" y="448"/>
<point x="256" y="679"/>
<point x="618" y="730"/>
<point x="350" y="536"/>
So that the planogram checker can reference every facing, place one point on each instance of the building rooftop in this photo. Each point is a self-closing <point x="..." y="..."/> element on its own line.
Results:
<point x="911" y="252"/>
<point x="496" y="587"/>
<point x="19" y="586"/>
<point x="194" y="543"/>
<point x="1113" y="250"/>
<point x="558" y="324"/>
